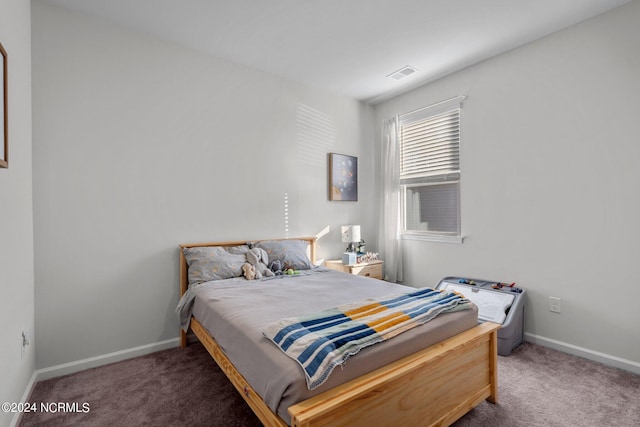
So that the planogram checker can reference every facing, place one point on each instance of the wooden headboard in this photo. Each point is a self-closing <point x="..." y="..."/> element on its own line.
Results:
<point x="184" y="278"/>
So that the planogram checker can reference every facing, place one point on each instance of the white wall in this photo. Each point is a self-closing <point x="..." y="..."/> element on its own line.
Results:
<point x="550" y="177"/>
<point x="140" y="145"/>
<point x="16" y="219"/>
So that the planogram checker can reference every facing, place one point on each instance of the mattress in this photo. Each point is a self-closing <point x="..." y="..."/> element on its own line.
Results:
<point x="235" y="311"/>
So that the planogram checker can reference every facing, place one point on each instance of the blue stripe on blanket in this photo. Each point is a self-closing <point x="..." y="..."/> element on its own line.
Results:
<point x="305" y="324"/>
<point x="338" y="340"/>
<point x="321" y="341"/>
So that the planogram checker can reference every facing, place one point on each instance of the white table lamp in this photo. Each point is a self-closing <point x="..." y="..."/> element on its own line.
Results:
<point x="351" y="235"/>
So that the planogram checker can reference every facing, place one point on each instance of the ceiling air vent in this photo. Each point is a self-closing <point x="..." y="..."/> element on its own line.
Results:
<point x="402" y="72"/>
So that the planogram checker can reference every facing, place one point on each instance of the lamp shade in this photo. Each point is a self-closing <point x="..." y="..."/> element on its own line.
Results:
<point x="350" y="233"/>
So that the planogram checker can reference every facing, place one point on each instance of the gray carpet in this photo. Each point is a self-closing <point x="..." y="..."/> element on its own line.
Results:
<point x="537" y="387"/>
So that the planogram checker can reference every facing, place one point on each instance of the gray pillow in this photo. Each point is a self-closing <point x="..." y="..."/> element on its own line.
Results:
<point x="291" y="253"/>
<point x="242" y="249"/>
<point x="214" y="263"/>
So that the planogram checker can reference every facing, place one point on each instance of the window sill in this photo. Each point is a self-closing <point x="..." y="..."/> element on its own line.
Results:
<point x="432" y="238"/>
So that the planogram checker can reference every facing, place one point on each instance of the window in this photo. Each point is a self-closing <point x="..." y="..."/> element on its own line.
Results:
<point x="430" y="170"/>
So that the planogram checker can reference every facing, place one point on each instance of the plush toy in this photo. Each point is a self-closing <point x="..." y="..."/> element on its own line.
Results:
<point x="276" y="267"/>
<point x="249" y="271"/>
<point x="259" y="259"/>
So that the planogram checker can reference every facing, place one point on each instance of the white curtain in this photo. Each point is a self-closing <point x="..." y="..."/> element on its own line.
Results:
<point x="390" y="244"/>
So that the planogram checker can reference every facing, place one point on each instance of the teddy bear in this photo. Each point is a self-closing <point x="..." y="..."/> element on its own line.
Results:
<point x="258" y="259"/>
<point x="248" y="271"/>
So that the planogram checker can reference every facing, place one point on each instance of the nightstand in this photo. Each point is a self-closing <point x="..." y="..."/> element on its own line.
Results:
<point x="371" y="269"/>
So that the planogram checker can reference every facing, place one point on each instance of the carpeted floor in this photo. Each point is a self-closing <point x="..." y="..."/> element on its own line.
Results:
<point x="540" y="387"/>
<point x="537" y="387"/>
<point x="168" y="388"/>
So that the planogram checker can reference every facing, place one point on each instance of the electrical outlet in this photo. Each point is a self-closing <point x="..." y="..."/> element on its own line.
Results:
<point x="555" y="305"/>
<point x="25" y="342"/>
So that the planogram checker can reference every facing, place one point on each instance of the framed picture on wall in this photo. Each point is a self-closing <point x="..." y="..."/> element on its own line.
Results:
<point x="343" y="177"/>
<point x="4" y="133"/>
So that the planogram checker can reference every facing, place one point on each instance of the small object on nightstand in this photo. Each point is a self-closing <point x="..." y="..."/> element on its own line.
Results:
<point x="349" y="258"/>
<point x="368" y="257"/>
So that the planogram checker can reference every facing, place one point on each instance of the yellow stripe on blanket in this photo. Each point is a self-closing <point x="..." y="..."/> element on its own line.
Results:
<point x="386" y="322"/>
<point x="321" y="341"/>
<point x="365" y="311"/>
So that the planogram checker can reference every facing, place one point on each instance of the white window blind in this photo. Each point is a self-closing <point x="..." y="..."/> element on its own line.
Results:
<point x="430" y="168"/>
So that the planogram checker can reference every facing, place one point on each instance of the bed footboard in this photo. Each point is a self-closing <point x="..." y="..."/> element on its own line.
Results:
<point x="434" y="387"/>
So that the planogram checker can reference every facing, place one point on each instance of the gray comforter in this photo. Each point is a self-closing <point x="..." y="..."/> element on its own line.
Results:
<point x="235" y="311"/>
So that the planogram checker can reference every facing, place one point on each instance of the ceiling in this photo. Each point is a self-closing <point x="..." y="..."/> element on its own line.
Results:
<point x="348" y="46"/>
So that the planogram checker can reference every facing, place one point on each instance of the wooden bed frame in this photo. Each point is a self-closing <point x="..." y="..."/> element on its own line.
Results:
<point x="433" y="387"/>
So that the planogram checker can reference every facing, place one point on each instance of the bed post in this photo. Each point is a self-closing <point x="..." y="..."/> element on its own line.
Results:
<point x="493" y="366"/>
<point x="312" y="249"/>
<point x="183" y="289"/>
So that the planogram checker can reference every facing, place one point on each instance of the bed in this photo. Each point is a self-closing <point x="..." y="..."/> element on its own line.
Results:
<point x="434" y="384"/>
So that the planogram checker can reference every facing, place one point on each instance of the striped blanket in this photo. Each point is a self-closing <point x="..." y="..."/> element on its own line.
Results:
<point x="324" y="340"/>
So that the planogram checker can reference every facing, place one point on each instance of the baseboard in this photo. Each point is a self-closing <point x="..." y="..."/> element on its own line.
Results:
<point x="25" y="398"/>
<point x="105" y="359"/>
<point x="596" y="356"/>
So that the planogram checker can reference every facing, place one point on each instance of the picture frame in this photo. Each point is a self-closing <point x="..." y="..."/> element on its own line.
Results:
<point x="4" y="121"/>
<point x="343" y="177"/>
